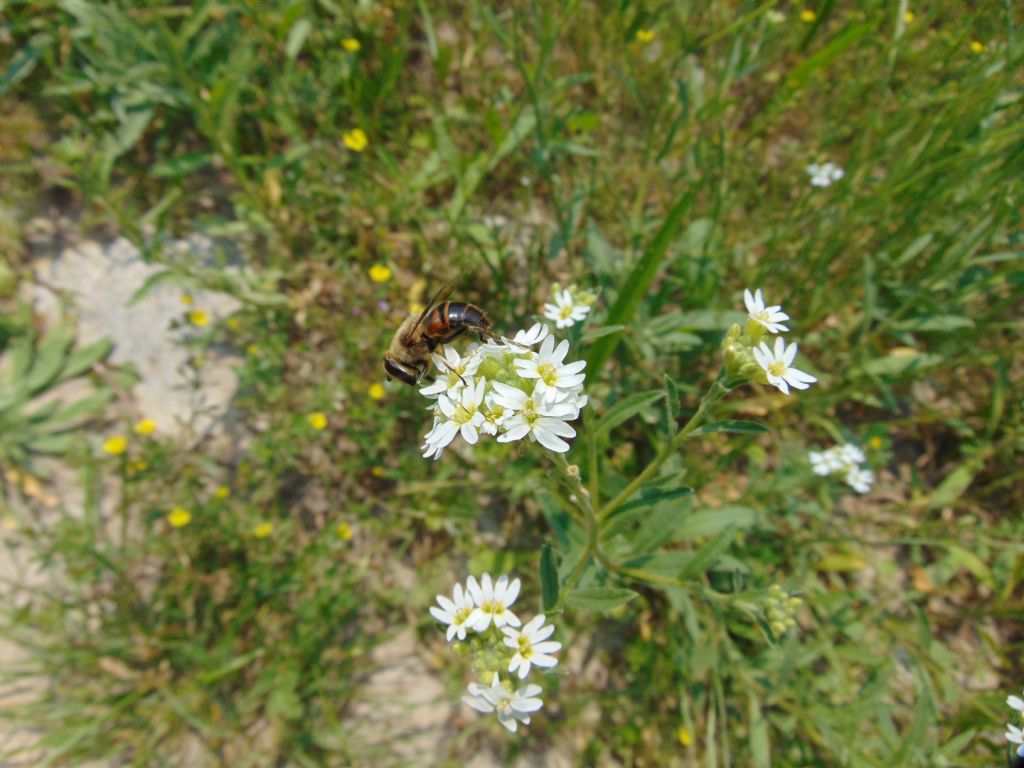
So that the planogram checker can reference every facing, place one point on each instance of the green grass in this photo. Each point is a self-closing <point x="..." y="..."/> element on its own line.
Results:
<point x="667" y="176"/>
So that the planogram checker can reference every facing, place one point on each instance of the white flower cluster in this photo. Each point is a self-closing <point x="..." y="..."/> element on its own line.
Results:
<point x="845" y="460"/>
<point x="777" y="361"/>
<point x="567" y="307"/>
<point x="823" y="174"/>
<point x="1014" y="733"/>
<point x="506" y="389"/>
<point x="500" y="644"/>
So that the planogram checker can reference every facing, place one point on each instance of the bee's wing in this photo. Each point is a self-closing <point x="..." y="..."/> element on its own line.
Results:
<point x="442" y="294"/>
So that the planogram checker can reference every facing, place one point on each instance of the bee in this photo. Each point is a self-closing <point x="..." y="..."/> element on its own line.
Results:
<point x="440" y="322"/>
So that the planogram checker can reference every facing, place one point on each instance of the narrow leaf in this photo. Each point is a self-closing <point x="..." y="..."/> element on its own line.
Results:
<point x="548" y="577"/>
<point x="639" y="282"/>
<point x="601" y="599"/>
<point x="706" y="556"/>
<point x="747" y="427"/>
<point x="625" y="409"/>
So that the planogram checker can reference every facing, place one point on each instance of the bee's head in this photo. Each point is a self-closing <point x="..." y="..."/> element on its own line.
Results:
<point x="395" y="369"/>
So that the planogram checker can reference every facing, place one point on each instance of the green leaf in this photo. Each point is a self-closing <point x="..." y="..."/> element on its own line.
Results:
<point x="23" y="63"/>
<point x="52" y="444"/>
<point x="180" y="166"/>
<point x="708" y="522"/>
<point x="297" y="37"/>
<point x="639" y="281"/>
<point x="671" y="405"/>
<point x="936" y="323"/>
<point x="709" y="319"/>
<point x="601" y="599"/>
<point x="800" y="74"/>
<point x="655" y="496"/>
<point x="744" y="427"/>
<point x="760" y="749"/>
<point x="599" y="331"/>
<point x="50" y="358"/>
<point x="623" y="410"/>
<point x="83" y="358"/>
<point x="708" y="554"/>
<point x="900" y="362"/>
<point x="548" y="577"/>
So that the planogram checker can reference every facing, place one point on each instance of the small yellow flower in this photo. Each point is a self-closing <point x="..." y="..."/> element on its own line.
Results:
<point x="415" y="308"/>
<point x="380" y="273"/>
<point x="262" y="530"/>
<point x="876" y="443"/>
<point x="908" y="17"/>
<point x="355" y="139"/>
<point x="138" y="465"/>
<point x="377" y="471"/>
<point x="252" y="350"/>
<point x="684" y="736"/>
<point x="376" y="391"/>
<point x="179" y="517"/>
<point x="199" y="318"/>
<point x="343" y="531"/>
<point x="977" y="46"/>
<point x="115" y="445"/>
<point x="350" y="44"/>
<point x="233" y="324"/>
<point x="221" y="492"/>
<point x="317" y="420"/>
<point x="644" y="35"/>
<point x="186" y="299"/>
<point x="145" y="427"/>
<point x="807" y="15"/>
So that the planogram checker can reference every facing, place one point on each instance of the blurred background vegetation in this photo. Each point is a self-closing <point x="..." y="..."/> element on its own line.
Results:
<point x="222" y="597"/>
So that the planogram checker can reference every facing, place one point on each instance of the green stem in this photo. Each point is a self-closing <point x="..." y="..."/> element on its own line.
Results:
<point x="712" y="396"/>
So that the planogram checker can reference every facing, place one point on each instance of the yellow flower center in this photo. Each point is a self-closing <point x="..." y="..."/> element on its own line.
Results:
<point x="565" y="311"/>
<point x="777" y="368"/>
<point x="548" y="373"/>
<point x="462" y="614"/>
<point x="525" y="648"/>
<point x="492" y="607"/>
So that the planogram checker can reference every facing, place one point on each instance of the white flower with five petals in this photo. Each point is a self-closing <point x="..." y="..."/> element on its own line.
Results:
<point x="823" y="174"/>
<point x="462" y="415"/>
<point x="512" y="708"/>
<point x="459" y="613"/>
<point x="859" y="479"/>
<point x="533" y="415"/>
<point x="530" y="646"/>
<point x="454" y="371"/>
<point x="777" y="364"/>
<point x="565" y="311"/>
<point x="493" y="601"/>
<point x="554" y="378"/>
<point x="769" y="317"/>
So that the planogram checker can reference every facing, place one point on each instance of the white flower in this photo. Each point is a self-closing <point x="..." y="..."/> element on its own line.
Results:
<point x="512" y="708"/>
<point x="533" y="415"/>
<point x="769" y="317"/>
<point x="849" y="453"/>
<point x="1016" y="702"/>
<point x="459" y="613"/>
<point x="565" y="311"/>
<point x="820" y="462"/>
<point x="777" y="366"/>
<point x="454" y="371"/>
<point x="494" y="601"/>
<point x="1015" y="735"/>
<point x="462" y="414"/>
<point x="859" y="479"/>
<point x="824" y="174"/>
<point x="554" y="378"/>
<point x="495" y="415"/>
<point x="537" y="332"/>
<point x="530" y="647"/>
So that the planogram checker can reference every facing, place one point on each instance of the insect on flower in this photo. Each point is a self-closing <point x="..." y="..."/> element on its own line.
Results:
<point x="440" y="322"/>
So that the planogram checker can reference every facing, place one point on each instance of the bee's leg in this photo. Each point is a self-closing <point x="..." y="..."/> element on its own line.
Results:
<point x="450" y="369"/>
